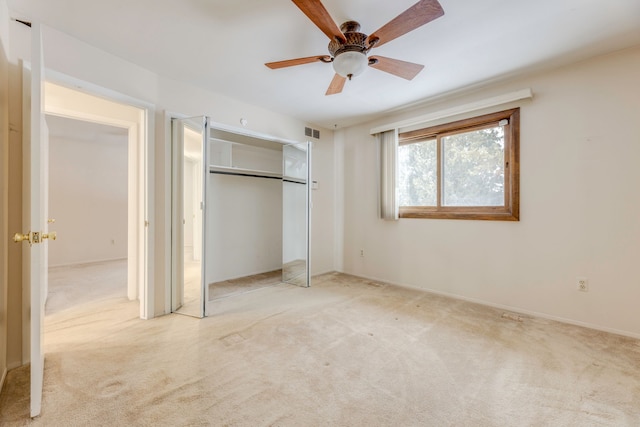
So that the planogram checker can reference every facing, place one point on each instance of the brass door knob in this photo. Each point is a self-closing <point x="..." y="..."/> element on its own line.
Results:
<point x="19" y="237"/>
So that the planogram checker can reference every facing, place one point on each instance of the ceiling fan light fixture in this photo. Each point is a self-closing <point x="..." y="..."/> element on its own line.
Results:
<point x="350" y="63"/>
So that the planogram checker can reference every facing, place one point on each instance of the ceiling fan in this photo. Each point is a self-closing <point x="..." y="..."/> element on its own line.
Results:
<point x="349" y="47"/>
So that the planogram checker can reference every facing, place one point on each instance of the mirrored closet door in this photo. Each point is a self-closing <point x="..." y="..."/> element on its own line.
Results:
<point x="296" y="213"/>
<point x="189" y="187"/>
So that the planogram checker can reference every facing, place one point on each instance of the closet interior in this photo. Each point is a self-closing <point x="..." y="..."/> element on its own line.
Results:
<point x="240" y="208"/>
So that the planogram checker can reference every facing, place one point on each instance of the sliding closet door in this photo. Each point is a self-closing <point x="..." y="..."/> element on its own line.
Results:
<point x="189" y="290"/>
<point x="296" y="214"/>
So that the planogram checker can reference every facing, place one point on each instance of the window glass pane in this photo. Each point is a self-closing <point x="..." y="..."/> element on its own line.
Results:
<point x="417" y="174"/>
<point x="473" y="168"/>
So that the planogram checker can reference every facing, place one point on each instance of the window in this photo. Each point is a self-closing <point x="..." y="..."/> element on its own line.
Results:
<point x="468" y="169"/>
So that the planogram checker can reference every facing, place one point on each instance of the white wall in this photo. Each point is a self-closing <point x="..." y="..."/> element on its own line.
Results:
<point x="88" y="199"/>
<point x="580" y="205"/>
<point x="261" y="159"/>
<point x="244" y="226"/>
<point x="4" y="186"/>
<point x="15" y="311"/>
<point x="245" y="216"/>
<point x="323" y="201"/>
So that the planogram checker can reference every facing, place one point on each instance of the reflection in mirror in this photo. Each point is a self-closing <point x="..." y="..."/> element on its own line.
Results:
<point x="188" y="293"/>
<point x="295" y="214"/>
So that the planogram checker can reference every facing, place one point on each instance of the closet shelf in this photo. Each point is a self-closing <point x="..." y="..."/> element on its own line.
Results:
<point x="226" y="170"/>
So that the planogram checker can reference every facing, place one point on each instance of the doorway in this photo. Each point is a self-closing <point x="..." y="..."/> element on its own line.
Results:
<point x="87" y="197"/>
<point x="65" y="103"/>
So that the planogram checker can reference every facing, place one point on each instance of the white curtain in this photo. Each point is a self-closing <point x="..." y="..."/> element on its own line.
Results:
<point x="387" y="158"/>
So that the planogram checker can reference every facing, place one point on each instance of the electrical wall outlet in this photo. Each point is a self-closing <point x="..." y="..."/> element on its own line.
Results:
<point x="362" y="252"/>
<point x="582" y="284"/>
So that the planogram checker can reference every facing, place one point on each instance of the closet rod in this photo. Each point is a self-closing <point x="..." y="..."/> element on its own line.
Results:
<point x="294" y="181"/>
<point x="245" y="174"/>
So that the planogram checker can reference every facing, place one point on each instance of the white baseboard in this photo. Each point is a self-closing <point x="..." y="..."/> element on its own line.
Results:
<point x="247" y="274"/>
<point x="509" y="308"/>
<point x="13" y="365"/>
<point x="97" y="261"/>
<point x="322" y="273"/>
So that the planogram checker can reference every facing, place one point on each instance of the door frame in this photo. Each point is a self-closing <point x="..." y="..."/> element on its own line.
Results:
<point x="80" y="105"/>
<point x="143" y="131"/>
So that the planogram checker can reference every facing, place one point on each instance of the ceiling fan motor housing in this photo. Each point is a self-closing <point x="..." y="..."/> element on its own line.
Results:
<point x="356" y="41"/>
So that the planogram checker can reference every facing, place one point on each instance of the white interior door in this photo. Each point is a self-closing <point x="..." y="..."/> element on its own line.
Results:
<point x="35" y="184"/>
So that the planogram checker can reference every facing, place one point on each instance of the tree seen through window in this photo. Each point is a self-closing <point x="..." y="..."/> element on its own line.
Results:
<point x="466" y="169"/>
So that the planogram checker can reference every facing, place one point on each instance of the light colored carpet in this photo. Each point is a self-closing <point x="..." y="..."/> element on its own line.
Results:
<point x="79" y="284"/>
<point x="294" y="272"/>
<point x="345" y="352"/>
<point x="241" y="285"/>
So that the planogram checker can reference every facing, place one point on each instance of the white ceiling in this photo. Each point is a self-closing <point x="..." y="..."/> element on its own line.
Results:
<point x="226" y="43"/>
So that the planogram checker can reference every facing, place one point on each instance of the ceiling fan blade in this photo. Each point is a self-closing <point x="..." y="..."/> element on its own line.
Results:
<point x="416" y="16"/>
<point x="298" y="61"/>
<point x="314" y="9"/>
<point x="404" y="69"/>
<point x="336" y="85"/>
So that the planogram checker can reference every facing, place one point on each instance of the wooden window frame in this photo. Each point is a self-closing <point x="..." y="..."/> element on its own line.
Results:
<point x="511" y="209"/>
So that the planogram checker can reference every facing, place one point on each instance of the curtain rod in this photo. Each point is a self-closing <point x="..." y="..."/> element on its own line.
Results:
<point x="460" y="109"/>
